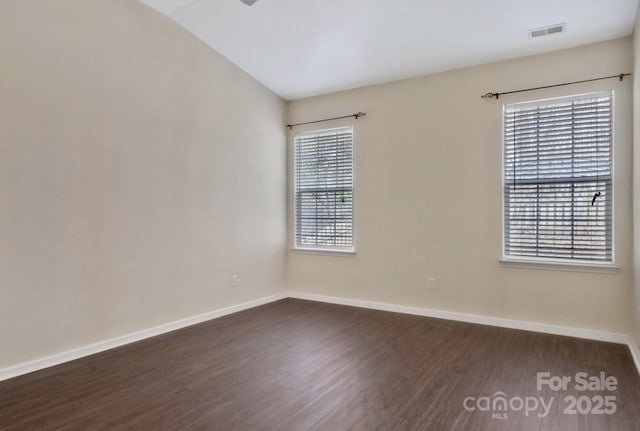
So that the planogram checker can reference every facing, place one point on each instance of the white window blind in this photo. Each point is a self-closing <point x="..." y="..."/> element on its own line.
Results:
<point x="324" y="189"/>
<point x="557" y="158"/>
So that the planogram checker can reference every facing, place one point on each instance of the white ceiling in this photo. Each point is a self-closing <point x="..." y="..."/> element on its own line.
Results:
<point x="302" y="48"/>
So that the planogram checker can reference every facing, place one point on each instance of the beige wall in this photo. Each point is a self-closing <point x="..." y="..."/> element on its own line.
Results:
<point x="636" y="174"/>
<point x="428" y="195"/>
<point x="139" y="169"/>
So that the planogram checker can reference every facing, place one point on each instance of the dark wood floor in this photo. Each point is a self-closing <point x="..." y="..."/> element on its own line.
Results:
<point x="299" y="365"/>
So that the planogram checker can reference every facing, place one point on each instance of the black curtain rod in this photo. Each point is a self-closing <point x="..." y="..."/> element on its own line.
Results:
<point x="497" y="95"/>
<point x="356" y="116"/>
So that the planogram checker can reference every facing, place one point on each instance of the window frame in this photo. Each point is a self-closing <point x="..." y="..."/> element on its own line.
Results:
<point x="318" y="249"/>
<point x="567" y="264"/>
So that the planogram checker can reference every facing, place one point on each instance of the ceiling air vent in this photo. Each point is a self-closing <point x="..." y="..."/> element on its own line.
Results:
<point x="546" y="31"/>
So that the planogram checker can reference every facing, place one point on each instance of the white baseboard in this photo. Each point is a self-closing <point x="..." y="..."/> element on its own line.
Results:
<point x="635" y="352"/>
<point x="589" y="334"/>
<point x="70" y="355"/>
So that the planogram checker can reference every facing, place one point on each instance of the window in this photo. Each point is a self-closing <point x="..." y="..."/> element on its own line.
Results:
<point x="323" y="169"/>
<point x="558" y="179"/>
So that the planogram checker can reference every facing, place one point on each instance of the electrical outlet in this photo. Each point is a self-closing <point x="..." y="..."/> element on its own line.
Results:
<point x="235" y="281"/>
<point x="431" y="284"/>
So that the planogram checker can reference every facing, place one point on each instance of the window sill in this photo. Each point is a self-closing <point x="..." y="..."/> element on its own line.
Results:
<point x="325" y="251"/>
<point x="558" y="265"/>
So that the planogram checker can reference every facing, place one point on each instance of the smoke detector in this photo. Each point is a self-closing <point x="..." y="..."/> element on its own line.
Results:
<point x="248" y="2"/>
<point x="547" y="31"/>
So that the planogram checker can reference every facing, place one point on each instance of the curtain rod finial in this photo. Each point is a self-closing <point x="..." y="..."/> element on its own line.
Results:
<point x="490" y="95"/>
<point x="360" y="114"/>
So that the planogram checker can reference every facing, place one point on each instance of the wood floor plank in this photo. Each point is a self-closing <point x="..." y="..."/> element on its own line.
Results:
<point x="301" y="365"/>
